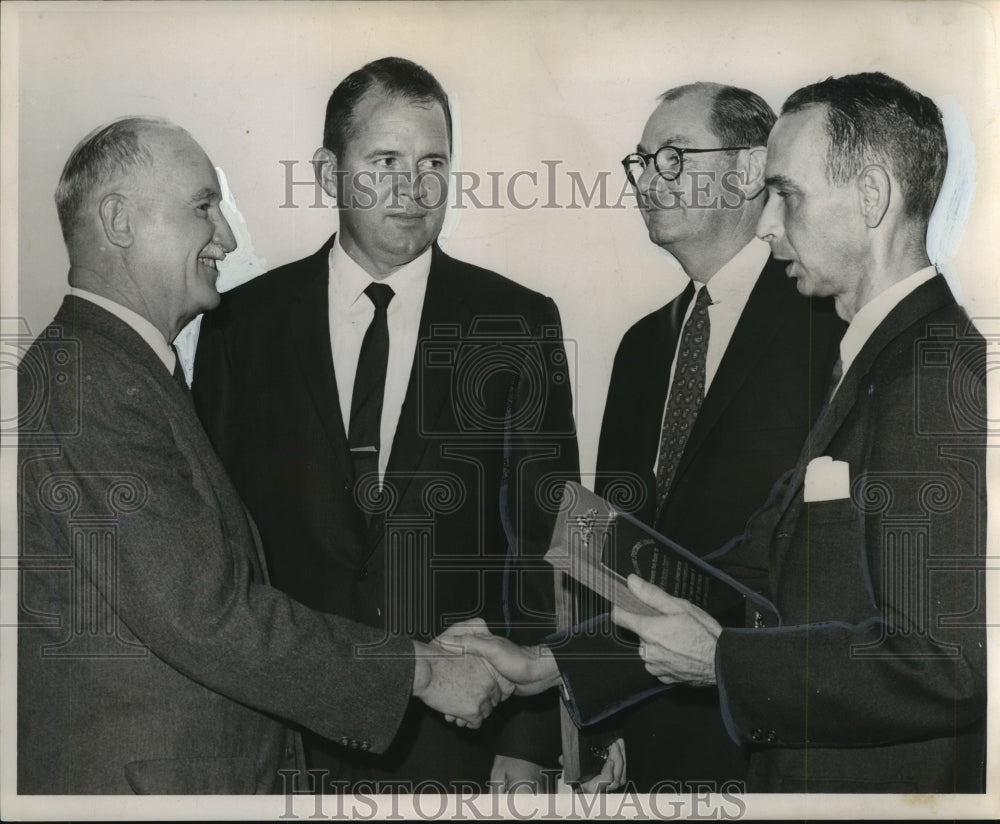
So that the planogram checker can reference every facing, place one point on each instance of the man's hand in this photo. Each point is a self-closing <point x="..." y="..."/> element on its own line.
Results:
<point x="612" y="774"/>
<point x="511" y="774"/>
<point x="465" y="688"/>
<point x="531" y="669"/>
<point x="678" y="646"/>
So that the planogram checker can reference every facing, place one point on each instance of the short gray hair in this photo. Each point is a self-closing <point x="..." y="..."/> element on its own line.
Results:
<point x="107" y="153"/>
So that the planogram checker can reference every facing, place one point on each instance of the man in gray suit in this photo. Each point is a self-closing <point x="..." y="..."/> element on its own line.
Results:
<point x="153" y="655"/>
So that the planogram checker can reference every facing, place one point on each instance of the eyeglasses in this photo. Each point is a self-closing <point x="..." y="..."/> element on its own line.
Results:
<point x="668" y="161"/>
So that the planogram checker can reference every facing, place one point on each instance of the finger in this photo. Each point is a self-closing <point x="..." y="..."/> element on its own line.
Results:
<point x="493" y="690"/>
<point x="654" y="596"/>
<point x="473" y="626"/>
<point x="600" y="781"/>
<point x="618" y="755"/>
<point x="506" y="688"/>
<point x="474" y="723"/>
<point x="451" y="719"/>
<point x="470" y="643"/>
<point x="665" y="675"/>
<point x="626" y="619"/>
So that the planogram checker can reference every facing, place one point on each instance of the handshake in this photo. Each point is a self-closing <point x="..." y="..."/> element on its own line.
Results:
<point x="466" y="671"/>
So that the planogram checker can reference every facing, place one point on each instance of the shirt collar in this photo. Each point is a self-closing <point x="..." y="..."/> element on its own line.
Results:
<point x="875" y="311"/>
<point x="735" y="280"/>
<point x="348" y="279"/>
<point x="141" y="325"/>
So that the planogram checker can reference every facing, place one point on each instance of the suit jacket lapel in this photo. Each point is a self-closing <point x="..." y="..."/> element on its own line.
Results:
<point x="309" y="321"/>
<point x="428" y="389"/>
<point x="78" y="312"/>
<point x="756" y="326"/>
<point x="928" y="297"/>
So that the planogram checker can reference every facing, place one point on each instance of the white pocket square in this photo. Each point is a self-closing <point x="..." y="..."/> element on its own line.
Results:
<point x="827" y="480"/>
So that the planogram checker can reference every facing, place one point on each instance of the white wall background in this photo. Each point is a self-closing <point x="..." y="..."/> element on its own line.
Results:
<point x="531" y="82"/>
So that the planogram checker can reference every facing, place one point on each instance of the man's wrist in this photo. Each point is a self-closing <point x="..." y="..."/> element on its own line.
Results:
<point x="421" y="669"/>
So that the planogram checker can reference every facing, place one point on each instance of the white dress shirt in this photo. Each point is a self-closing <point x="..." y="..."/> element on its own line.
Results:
<point x="873" y="313"/>
<point x="145" y="329"/>
<point x="729" y="289"/>
<point x="351" y="313"/>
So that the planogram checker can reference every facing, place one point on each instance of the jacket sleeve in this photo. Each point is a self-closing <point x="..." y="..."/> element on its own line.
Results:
<point x="915" y="666"/>
<point x="188" y="583"/>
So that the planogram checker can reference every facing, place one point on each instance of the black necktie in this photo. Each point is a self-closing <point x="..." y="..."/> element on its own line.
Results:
<point x="369" y="386"/>
<point x="687" y="391"/>
<point x="178" y="373"/>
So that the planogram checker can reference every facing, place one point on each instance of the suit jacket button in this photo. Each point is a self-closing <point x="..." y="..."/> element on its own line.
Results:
<point x="756" y="736"/>
<point x="772" y="736"/>
<point x="758" y="620"/>
<point x="348" y="486"/>
<point x="362" y="573"/>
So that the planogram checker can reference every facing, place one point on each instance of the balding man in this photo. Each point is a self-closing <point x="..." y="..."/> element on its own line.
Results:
<point x="710" y="399"/>
<point x="153" y="655"/>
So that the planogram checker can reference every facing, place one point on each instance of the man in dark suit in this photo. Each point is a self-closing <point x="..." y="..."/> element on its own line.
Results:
<point x="872" y="548"/>
<point x="763" y="374"/>
<point x="153" y="656"/>
<point x="393" y="418"/>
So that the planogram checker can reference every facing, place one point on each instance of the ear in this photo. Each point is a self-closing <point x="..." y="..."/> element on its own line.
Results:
<point x="116" y="221"/>
<point x="753" y="167"/>
<point x="325" y="164"/>
<point x="874" y="194"/>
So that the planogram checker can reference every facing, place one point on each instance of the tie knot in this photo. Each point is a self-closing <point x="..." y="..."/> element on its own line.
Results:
<point x="380" y="295"/>
<point x="704" y="300"/>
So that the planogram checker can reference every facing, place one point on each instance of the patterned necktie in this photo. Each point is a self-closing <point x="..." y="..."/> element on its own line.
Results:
<point x="687" y="391"/>
<point x="369" y="386"/>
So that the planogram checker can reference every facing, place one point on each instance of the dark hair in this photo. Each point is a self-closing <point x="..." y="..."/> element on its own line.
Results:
<point x="739" y="117"/>
<point x="107" y="153"/>
<point x="394" y="76"/>
<point x="872" y="116"/>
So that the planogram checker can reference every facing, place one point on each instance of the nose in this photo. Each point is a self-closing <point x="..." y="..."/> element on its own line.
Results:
<point x="224" y="236"/>
<point x="769" y="223"/>
<point x="647" y="179"/>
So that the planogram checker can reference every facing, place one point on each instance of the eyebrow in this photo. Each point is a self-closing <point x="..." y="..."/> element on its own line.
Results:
<point x="671" y="140"/>
<point x="382" y="153"/>
<point x="208" y="193"/>
<point x="396" y="153"/>
<point x="780" y="180"/>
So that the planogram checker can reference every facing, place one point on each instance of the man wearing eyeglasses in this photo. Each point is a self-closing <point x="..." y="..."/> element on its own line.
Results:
<point x="711" y="396"/>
